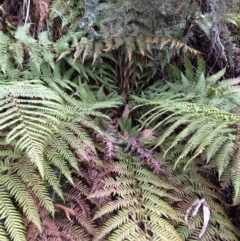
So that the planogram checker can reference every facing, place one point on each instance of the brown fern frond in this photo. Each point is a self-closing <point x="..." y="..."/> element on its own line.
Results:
<point x="131" y="43"/>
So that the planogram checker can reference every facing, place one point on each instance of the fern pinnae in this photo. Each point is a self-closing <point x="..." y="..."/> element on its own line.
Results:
<point x="159" y="224"/>
<point x="201" y="85"/>
<point x="18" y="191"/>
<point x="42" y="134"/>
<point x="141" y="43"/>
<point x="208" y="140"/>
<point x="11" y="217"/>
<point x="235" y="178"/>
<point x="119" y="190"/>
<point x="181" y="121"/>
<point x="197" y="138"/>
<point x="158" y="192"/>
<point x="59" y="162"/>
<point x="52" y="179"/>
<point x="231" y="84"/>
<point x="120" y="203"/>
<point x="29" y="176"/>
<point x="76" y="128"/>
<point x="22" y="34"/>
<point x="153" y="116"/>
<point x="125" y="230"/>
<point x="3" y="232"/>
<point x="63" y="149"/>
<point x="200" y="69"/>
<point x="151" y="200"/>
<point x="224" y="156"/>
<point x="166" y="120"/>
<point x="4" y="62"/>
<point x="144" y="201"/>
<point x="121" y="181"/>
<point x="146" y="176"/>
<point x="35" y="59"/>
<point x="116" y="221"/>
<point x="189" y="73"/>
<point x="185" y="83"/>
<point x="191" y="127"/>
<point x="48" y="57"/>
<point x="216" y="77"/>
<point x="17" y="51"/>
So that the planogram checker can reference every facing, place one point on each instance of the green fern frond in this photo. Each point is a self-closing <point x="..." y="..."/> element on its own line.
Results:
<point x="4" y="40"/>
<point x="17" y="190"/>
<point x="224" y="156"/>
<point x="138" y="192"/>
<point x="191" y="111"/>
<point x="22" y="34"/>
<point x="3" y="232"/>
<point x="17" y="52"/>
<point x="214" y="78"/>
<point x="235" y="178"/>
<point x="197" y="111"/>
<point x="31" y="111"/>
<point x="31" y="179"/>
<point x="10" y="217"/>
<point x="47" y="54"/>
<point x="189" y="187"/>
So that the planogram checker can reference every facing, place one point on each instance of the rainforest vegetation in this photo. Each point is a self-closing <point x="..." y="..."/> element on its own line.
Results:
<point x="119" y="120"/>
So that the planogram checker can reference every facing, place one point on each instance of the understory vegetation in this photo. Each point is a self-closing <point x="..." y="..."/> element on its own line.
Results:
<point x="119" y="120"/>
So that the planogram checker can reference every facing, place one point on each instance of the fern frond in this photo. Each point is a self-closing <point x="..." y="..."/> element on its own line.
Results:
<point x="10" y="217"/>
<point x="3" y="232"/>
<point x="30" y="115"/>
<point x="214" y="78"/>
<point x="3" y="51"/>
<point x="26" y="171"/>
<point x="17" y="190"/>
<point x="22" y="34"/>
<point x="189" y="187"/>
<point x="224" y="156"/>
<point x="17" y="52"/>
<point x="134" y="209"/>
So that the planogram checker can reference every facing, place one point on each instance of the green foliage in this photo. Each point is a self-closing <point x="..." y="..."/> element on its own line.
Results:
<point x="29" y="112"/>
<point x="42" y="127"/>
<point x="69" y="13"/>
<point x="189" y="189"/>
<point x="199" y="110"/>
<point x="14" y="49"/>
<point x="67" y="170"/>
<point x="140" y="207"/>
